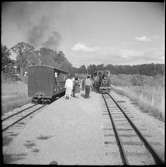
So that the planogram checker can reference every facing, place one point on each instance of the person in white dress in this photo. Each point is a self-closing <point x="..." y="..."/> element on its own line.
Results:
<point x="69" y="88"/>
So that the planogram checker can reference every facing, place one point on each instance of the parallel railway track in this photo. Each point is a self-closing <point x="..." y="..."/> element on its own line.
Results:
<point x="16" y="113"/>
<point x="123" y="128"/>
<point x="13" y="119"/>
<point x="16" y="117"/>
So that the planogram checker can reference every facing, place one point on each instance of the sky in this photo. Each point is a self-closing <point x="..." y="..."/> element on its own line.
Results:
<point x="118" y="33"/>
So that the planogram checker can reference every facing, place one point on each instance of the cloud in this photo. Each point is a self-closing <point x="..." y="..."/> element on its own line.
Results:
<point x="143" y="39"/>
<point x="120" y="52"/>
<point x="127" y="53"/>
<point x="116" y="55"/>
<point x="84" y="48"/>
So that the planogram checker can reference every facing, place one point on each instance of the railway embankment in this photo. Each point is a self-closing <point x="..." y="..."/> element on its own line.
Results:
<point x="145" y="105"/>
<point x="14" y="95"/>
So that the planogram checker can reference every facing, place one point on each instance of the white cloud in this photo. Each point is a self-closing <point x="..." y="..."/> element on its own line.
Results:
<point x="143" y="39"/>
<point x="121" y="52"/>
<point x="117" y="55"/>
<point x="126" y="53"/>
<point x="84" y="48"/>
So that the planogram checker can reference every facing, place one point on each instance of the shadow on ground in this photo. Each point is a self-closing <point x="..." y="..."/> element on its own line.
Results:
<point x="7" y="140"/>
<point x="11" y="158"/>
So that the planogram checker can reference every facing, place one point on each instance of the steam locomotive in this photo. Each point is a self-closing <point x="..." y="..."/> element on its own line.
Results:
<point x="102" y="81"/>
<point x="45" y="83"/>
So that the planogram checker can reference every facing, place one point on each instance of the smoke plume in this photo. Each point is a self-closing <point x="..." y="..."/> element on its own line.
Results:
<point x="53" y="41"/>
<point x="34" y="21"/>
<point x="37" y="32"/>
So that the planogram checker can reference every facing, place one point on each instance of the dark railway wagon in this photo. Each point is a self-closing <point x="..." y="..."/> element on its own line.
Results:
<point x="45" y="83"/>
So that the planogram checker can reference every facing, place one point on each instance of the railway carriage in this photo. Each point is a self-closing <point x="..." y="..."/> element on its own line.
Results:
<point x="45" y="83"/>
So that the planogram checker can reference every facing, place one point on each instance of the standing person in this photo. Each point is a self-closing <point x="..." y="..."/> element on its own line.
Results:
<point x="92" y="83"/>
<point x="95" y="83"/>
<point x="83" y="84"/>
<point x="69" y="88"/>
<point x="88" y="85"/>
<point x="73" y="78"/>
<point x="76" y="87"/>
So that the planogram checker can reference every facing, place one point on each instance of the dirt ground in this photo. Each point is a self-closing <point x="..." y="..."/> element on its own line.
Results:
<point x="70" y="132"/>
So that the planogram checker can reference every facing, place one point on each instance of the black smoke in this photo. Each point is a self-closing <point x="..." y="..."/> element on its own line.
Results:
<point x="34" y="21"/>
<point x="37" y="32"/>
<point x="53" y="41"/>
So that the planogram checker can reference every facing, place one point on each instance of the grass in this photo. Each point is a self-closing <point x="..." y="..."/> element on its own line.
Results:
<point x="146" y="91"/>
<point x="14" y="94"/>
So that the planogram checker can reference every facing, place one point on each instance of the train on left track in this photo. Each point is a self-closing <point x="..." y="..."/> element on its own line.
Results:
<point x="45" y="83"/>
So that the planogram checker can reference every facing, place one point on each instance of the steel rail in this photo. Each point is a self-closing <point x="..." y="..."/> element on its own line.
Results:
<point x="156" y="158"/>
<point x="18" y="112"/>
<point x="4" y="129"/>
<point x="119" y="143"/>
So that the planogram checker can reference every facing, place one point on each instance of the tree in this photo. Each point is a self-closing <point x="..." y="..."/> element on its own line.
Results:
<point x="92" y="69"/>
<point x="100" y="67"/>
<point x="22" y="50"/>
<point x="6" y="61"/>
<point x="63" y="62"/>
<point x="82" y="69"/>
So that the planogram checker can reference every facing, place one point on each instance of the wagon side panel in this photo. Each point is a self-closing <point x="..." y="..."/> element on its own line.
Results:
<point x="41" y="80"/>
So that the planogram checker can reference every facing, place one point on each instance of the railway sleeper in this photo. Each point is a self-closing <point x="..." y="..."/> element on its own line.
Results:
<point x="132" y="143"/>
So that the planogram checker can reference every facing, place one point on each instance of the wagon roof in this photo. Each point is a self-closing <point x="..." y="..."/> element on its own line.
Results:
<point x="56" y="69"/>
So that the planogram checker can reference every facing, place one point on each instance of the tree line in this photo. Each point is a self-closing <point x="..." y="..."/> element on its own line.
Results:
<point x="27" y="55"/>
<point x="143" y="69"/>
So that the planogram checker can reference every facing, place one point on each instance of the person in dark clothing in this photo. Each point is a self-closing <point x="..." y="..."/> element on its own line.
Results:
<point x="83" y="84"/>
<point x="76" y="87"/>
<point x="88" y="85"/>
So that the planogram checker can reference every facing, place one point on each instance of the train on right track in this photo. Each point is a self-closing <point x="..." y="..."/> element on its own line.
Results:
<point x="102" y="81"/>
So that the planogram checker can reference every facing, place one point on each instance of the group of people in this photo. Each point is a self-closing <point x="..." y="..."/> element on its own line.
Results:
<point x="73" y="87"/>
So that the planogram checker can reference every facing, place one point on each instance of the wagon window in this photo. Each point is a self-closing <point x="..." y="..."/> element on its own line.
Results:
<point x="56" y="75"/>
<point x="60" y="77"/>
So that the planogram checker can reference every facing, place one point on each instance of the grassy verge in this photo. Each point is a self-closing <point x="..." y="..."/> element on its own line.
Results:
<point x="14" y="94"/>
<point x="148" y="94"/>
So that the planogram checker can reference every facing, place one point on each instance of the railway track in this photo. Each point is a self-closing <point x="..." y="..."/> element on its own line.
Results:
<point x="12" y="119"/>
<point x="133" y="147"/>
<point x="16" y="117"/>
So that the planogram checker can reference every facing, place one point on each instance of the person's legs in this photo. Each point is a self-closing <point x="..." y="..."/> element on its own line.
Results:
<point x="67" y="93"/>
<point x="79" y="91"/>
<point x="70" y="92"/>
<point x="73" y="92"/>
<point x="88" y="91"/>
<point x="85" y="91"/>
